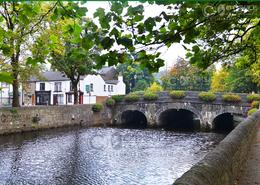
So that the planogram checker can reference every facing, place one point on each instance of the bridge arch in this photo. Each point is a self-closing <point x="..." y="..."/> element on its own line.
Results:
<point x="179" y="120"/>
<point x="132" y="118"/>
<point x="226" y="121"/>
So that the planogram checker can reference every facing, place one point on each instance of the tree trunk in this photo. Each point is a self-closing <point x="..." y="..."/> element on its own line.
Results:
<point x="75" y="92"/>
<point x="15" y="83"/>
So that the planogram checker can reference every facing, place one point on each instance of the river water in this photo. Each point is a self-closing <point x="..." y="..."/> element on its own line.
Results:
<point x="100" y="156"/>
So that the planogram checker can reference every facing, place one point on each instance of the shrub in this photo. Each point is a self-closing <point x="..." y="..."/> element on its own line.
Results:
<point x="155" y="87"/>
<point x="253" y="97"/>
<point x="150" y="96"/>
<point x="177" y="94"/>
<point x="255" y="104"/>
<point x="110" y="102"/>
<point x="231" y="98"/>
<point x="118" y="98"/>
<point x="97" y="107"/>
<point x="251" y="111"/>
<point x="131" y="97"/>
<point x="207" y="96"/>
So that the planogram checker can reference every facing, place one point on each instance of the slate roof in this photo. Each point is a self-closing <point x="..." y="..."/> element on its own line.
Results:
<point x="108" y="74"/>
<point x="51" y="76"/>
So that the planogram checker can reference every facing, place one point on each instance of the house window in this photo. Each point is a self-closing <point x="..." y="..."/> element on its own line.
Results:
<point x="91" y="87"/>
<point x="111" y="88"/>
<point x="108" y="88"/>
<point x="105" y="88"/>
<point x="42" y="86"/>
<point x="69" y="98"/>
<point x="71" y="88"/>
<point x="57" y="86"/>
<point x="60" y="99"/>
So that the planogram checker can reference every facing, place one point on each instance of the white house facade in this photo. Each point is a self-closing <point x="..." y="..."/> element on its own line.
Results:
<point x="56" y="89"/>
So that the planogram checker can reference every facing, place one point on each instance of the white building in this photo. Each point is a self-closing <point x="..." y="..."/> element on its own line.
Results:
<point x="6" y="91"/>
<point x="56" y="89"/>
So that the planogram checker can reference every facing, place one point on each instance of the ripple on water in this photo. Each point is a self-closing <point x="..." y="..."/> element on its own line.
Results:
<point x="101" y="156"/>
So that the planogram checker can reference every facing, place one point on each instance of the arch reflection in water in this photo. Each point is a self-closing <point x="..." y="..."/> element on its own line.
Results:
<point x="179" y="120"/>
<point x="133" y="119"/>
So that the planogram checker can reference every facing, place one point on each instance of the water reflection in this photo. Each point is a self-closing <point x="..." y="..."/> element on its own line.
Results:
<point x="101" y="156"/>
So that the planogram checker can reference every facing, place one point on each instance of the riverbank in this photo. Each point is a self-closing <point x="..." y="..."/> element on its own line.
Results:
<point x="251" y="170"/>
<point x="24" y="119"/>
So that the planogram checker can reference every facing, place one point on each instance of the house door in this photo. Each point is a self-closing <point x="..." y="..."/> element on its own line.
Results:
<point x="55" y="99"/>
<point x="81" y="98"/>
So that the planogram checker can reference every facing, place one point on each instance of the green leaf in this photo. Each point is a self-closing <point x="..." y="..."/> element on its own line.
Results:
<point x="87" y="43"/>
<point x="117" y="7"/>
<point x="6" y="77"/>
<point x="107" y="43"/>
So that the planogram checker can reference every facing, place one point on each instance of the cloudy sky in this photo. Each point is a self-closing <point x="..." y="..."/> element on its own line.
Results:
<point x="168" y="54"/>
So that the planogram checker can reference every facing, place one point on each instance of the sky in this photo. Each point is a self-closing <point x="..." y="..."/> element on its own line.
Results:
<point x="171" y="54"/>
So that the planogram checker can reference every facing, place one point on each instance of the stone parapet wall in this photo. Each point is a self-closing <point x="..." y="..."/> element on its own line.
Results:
<point x="223" y="165"/>
<point x="41" y="117"/>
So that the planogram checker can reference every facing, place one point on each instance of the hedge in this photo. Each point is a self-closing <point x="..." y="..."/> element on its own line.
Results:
<point x="131" y="97"/>
<point x="231" y="98"/>
<point x="150" y="96"/>
<point x="207" y="96"/>
<point x="253" y="97"/>
<point x="118" y="98"/>
<point x="177" y="94"/>
<point x="97" y="107"/>
<point x="110" y="102"/>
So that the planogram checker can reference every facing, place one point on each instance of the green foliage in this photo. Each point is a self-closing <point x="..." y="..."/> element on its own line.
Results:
<point x="251" y="111"/>
<point x="141" y="85"/>
<point x="136" y="78"/>
<point x="150" y="96"/>
<point x="118" y="98"/>
<point x="110" y="102"/>
<point x="177" y="94"/>
<point x="22" y="26"/>
<point x="132" y="97"/>
<point x="253" y="97"/>
<point x="239" y="80"/>
<point x="183" y="76"/>
<point x="6" y="77"/>
<point x="255" y="104"/>
<point x="231" y="98"/>
<point x="207" y="96"/>
<point x="218" y="83"/>
<point x="97" y="107"/>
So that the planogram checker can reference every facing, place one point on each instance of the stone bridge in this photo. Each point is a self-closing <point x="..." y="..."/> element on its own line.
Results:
<point x="165" y="110"/>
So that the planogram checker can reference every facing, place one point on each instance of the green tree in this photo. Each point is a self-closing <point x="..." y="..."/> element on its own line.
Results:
<point x="71" y="54"/>
<point x="239" y="81"/>
<point x="219" y="81"/>
<point x="140" y="85"/>
<point x="184" y="76"/>
<point x="135" y="77"/>
<point x="217" y="31"/>
<point x="21" y="23"/>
